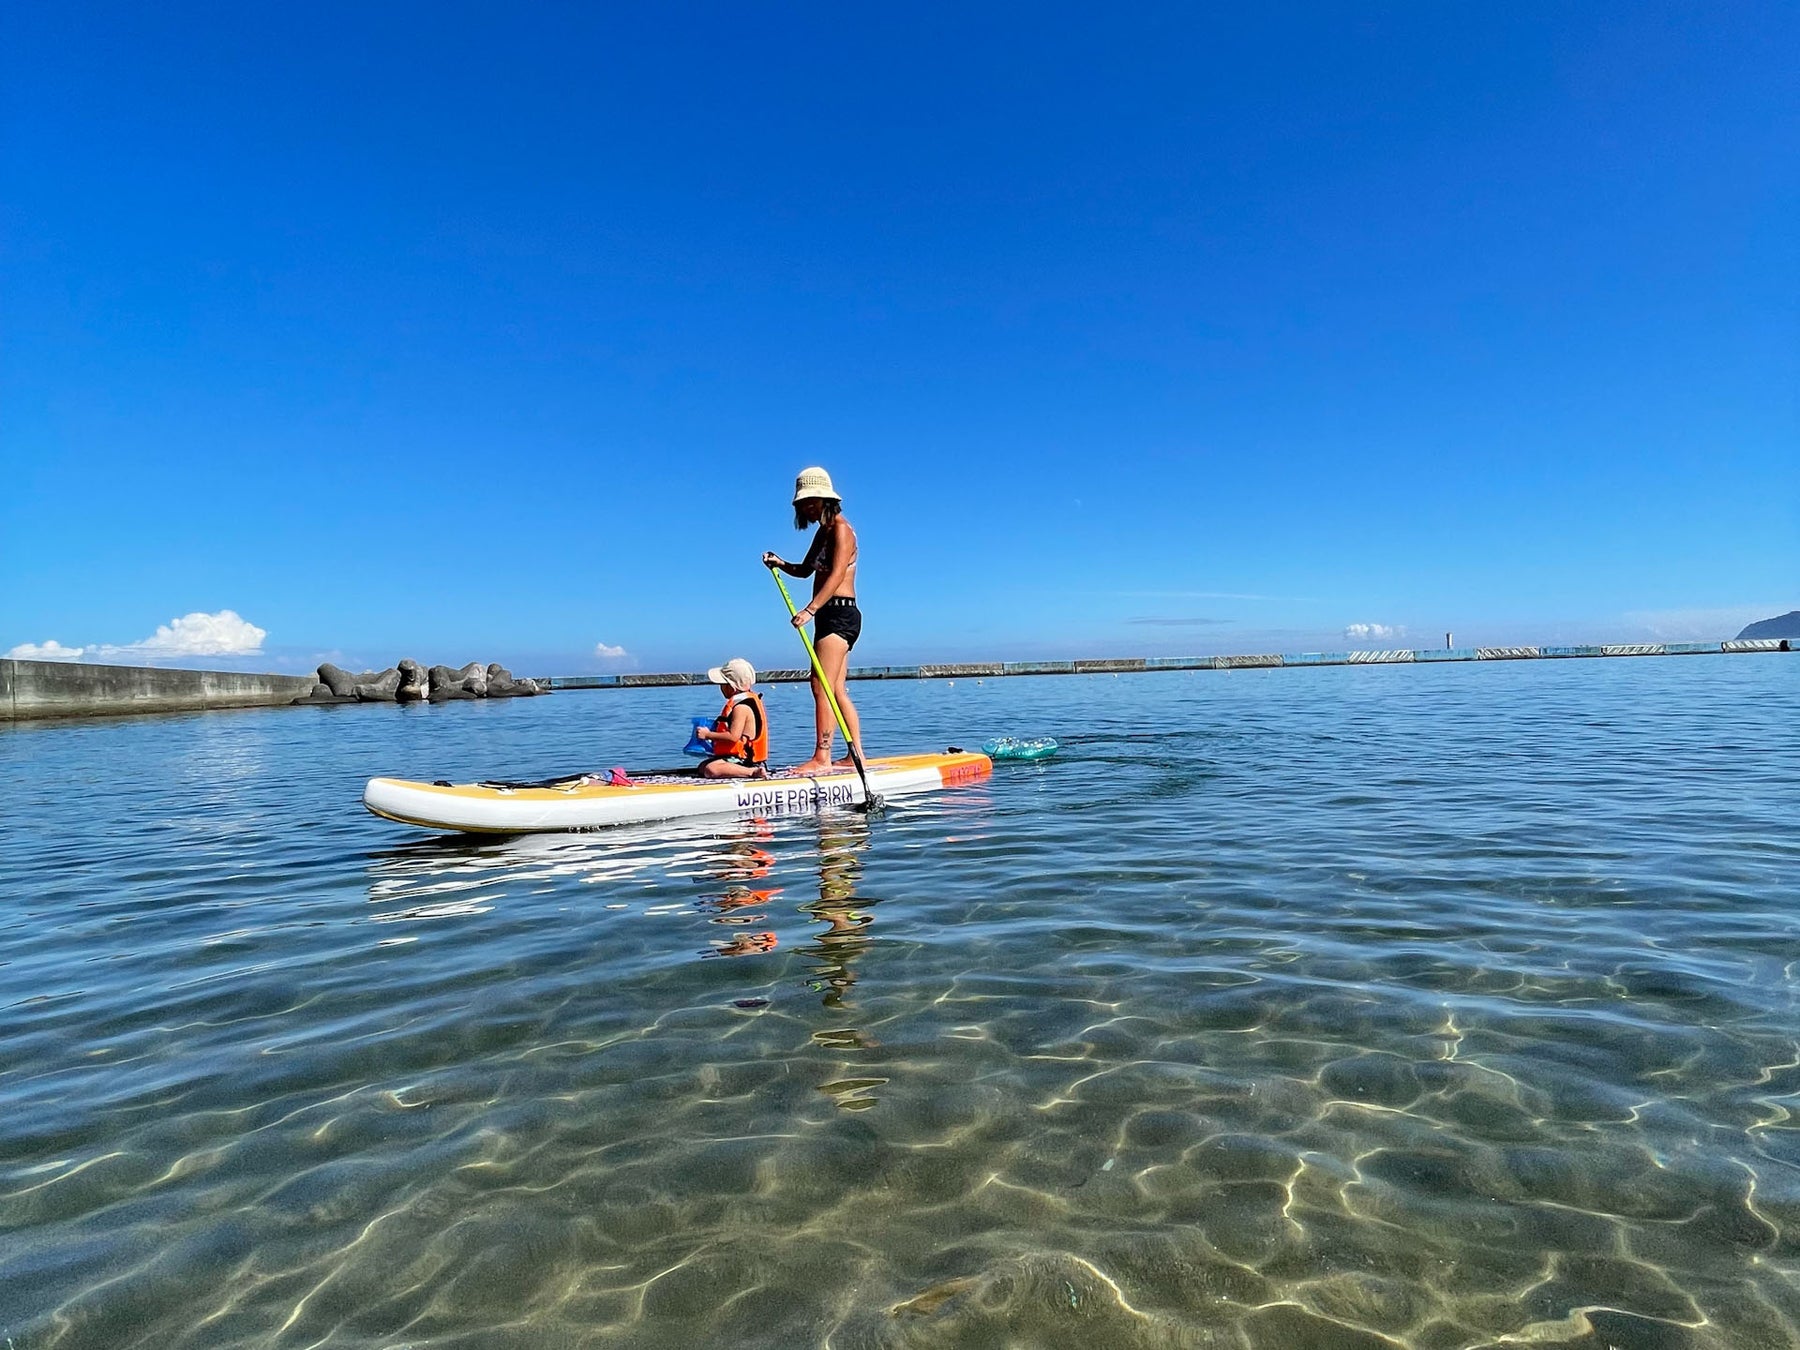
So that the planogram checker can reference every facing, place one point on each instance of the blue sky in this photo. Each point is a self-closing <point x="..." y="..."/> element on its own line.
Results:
<point x="461" y="331"/>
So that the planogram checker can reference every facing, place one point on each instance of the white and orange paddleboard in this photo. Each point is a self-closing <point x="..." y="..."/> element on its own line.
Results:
<point x="581" y="804"/>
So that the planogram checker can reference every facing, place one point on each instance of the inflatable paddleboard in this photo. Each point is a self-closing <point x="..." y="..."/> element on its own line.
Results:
<point x="578" y="804"/>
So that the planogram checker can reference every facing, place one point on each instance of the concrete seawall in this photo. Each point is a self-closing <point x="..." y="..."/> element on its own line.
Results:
<point x="41" y="689"/>
<point x="31" y="690"/>
<point x="1135" y="664"/>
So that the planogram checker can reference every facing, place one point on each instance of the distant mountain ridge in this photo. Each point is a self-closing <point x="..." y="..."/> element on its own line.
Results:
<point x="1781" y="626"/>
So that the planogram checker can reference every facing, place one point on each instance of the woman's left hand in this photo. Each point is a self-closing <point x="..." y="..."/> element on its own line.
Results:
<point x="801" y="619"/>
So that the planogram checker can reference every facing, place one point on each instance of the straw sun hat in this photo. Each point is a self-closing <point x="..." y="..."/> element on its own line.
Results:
<point x="814" y="483"/>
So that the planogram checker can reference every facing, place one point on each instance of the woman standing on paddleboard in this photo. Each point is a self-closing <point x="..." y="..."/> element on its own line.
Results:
<point x="831" y="563"/>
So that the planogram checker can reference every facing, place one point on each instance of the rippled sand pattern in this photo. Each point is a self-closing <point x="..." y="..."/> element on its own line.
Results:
<point x="1433" y="1008"/>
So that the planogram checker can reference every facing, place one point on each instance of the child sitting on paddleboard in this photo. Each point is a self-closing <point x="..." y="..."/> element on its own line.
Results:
<point x="739" y="739"/>
<point x="831" y="563"/>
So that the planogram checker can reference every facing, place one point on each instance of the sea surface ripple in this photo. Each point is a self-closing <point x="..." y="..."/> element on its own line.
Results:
<point x="1434" y="1006"/>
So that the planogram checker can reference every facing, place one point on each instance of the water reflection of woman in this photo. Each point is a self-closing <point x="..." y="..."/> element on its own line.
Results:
<point x="843" y="937"/>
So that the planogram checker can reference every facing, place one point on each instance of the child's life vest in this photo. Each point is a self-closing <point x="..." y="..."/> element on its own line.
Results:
<point x="756" y="749"/>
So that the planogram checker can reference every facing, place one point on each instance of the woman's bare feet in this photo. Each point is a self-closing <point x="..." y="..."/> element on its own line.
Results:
<point x="816" y="764"/>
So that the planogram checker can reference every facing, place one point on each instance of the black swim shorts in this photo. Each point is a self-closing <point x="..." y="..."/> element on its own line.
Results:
<point x="838" y="617"/>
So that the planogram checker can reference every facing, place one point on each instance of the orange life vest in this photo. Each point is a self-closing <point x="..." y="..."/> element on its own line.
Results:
<point x="756" y="749"/>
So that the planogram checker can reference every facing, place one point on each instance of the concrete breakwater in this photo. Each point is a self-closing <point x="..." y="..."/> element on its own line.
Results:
<point x="37" y="689"/>
<point x="32" y="690"/>
<point x="50" y="689"/>
<point x="1136" y="664"/>
<point x="410" y="682"/>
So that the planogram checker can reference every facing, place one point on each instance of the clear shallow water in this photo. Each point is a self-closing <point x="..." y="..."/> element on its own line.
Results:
<point x="1434" y="1006"/>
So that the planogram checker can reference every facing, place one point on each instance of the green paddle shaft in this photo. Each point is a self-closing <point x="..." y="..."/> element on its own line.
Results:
<point x="812" y="654"/>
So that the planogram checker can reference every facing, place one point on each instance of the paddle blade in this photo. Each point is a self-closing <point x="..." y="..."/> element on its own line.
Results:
<point x="871" y="803"/>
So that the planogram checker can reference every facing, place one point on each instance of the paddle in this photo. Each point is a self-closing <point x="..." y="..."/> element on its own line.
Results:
<point x="870" y="801"/>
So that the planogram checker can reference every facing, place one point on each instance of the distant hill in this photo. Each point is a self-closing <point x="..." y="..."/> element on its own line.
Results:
<point x="1782" y="626"/>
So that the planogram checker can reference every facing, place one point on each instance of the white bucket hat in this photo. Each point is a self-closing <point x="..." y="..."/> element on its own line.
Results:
<point x="737" y="672"/>
<point x="814" y="483"/>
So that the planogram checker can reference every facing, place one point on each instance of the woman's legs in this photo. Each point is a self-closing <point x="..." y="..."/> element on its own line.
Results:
<point x="840" y="685"/>
<point x="834" y="658"/>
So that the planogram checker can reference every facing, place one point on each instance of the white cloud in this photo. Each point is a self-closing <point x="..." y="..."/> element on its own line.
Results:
<point x="1358" y="632"/>
<point x="46" y="651"/>
<point x="223" y="634"/>
<point x="606" y="653"/>
<point x="226" y="633"/>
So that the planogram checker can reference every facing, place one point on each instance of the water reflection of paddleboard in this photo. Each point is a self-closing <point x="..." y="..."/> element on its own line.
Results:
<point x="589" y="801"/>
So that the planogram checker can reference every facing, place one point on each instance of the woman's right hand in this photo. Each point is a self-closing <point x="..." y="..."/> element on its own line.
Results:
<point x="771" y="560"/>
